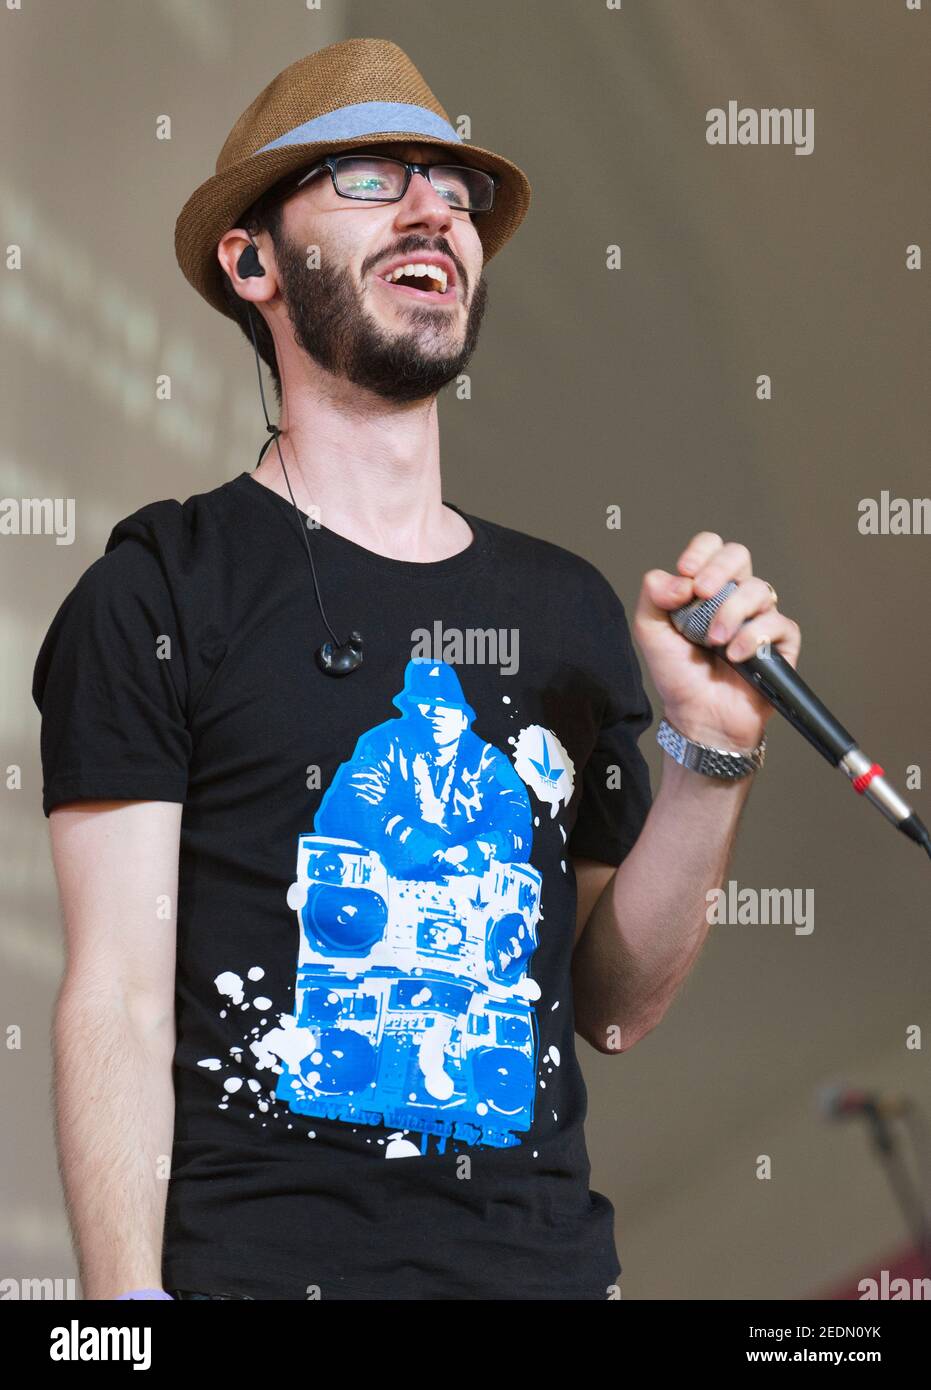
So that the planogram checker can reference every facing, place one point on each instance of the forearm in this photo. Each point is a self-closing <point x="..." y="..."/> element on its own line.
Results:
<point x="649" y="924"/>
<point x="114" y="1113"/>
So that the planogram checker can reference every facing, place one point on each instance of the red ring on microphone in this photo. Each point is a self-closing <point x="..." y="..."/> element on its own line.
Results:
<point x="861" y="783"/>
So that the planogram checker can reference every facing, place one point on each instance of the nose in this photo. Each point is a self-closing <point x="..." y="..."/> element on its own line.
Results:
<point x="423" y="207"/>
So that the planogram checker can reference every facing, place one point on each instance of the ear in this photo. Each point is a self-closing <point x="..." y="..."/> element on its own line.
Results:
<point x="230" y="251"/>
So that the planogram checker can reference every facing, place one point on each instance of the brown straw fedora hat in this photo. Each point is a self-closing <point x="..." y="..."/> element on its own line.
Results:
<point x="361" y="92"/>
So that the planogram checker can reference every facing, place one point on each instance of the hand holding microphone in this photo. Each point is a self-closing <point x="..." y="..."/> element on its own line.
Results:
<point x="724" y="608"/>
<point x="706" y="699"/>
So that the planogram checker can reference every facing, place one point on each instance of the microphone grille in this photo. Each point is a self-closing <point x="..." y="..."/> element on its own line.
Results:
<point x="830" y="1101"/>
<point x="694" y="619"/>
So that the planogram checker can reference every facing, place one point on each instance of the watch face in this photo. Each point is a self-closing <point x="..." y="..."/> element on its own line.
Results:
<point x="722" y="763"/>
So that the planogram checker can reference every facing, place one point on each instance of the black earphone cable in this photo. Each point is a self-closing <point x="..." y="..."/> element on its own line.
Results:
<point x="347" y="656"/>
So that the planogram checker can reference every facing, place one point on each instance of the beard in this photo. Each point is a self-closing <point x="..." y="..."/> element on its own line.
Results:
<point x="333" y="327"/>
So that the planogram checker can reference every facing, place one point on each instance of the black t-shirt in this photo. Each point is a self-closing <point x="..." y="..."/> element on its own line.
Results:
<point x="376" y="1084"/>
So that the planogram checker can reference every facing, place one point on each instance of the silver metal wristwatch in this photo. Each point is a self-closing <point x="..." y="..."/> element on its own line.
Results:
<point x="712" y="762"/>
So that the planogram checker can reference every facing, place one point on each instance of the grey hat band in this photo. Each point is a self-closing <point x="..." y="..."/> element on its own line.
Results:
<point x="367" y="118"/>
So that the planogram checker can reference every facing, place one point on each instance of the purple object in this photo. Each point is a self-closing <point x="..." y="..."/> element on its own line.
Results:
<point x="145" y="1293"/>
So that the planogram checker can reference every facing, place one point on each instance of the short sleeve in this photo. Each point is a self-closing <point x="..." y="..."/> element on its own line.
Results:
<point x="110" y="683"/>
<point x="616" y="792"/>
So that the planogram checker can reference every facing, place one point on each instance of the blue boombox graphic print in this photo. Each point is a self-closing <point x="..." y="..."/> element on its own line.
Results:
<point x="418" y="916"/>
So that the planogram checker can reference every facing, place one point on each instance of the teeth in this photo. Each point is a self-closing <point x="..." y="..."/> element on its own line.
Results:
<point x="419" y="268"/>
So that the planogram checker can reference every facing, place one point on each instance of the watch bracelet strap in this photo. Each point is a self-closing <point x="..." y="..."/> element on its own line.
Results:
<point x="701" y="757"/>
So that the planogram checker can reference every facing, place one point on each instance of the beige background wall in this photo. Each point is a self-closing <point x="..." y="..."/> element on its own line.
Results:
<point x="589" y="387"/>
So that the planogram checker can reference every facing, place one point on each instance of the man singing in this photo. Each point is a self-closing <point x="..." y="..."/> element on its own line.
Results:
<point x="496" y="878"/>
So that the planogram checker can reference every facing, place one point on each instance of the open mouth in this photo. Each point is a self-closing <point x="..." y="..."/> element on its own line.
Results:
<point x="422" y="280"/>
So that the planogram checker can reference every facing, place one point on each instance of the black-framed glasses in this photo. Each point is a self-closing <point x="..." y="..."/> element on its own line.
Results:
<point x="379" y="178"/>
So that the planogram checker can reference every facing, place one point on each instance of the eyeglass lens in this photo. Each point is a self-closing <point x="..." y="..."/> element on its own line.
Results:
<point x="380" y="179"/>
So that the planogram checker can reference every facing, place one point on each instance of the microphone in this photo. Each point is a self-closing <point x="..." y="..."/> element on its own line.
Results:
<point x="840" y="1102"/>
<point x="778" y="682"/>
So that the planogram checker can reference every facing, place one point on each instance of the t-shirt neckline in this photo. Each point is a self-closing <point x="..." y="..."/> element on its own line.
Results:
<point x="473" y="554"/>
